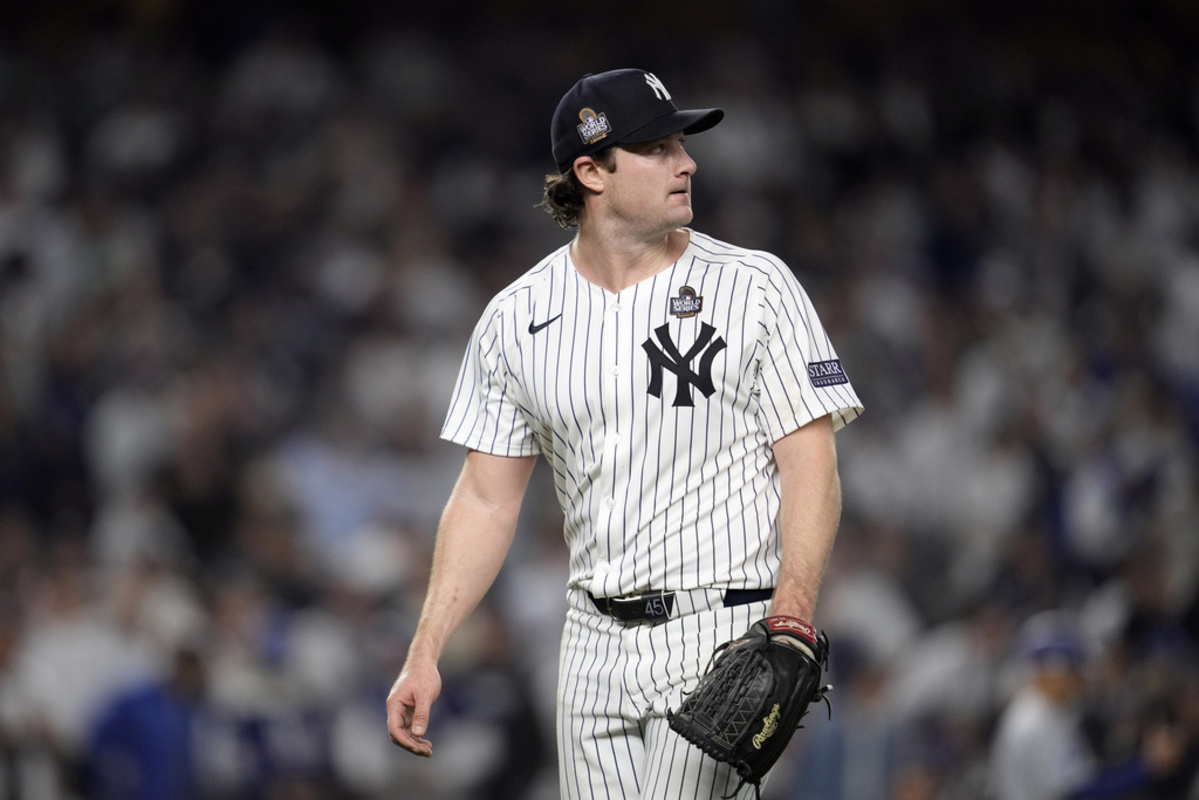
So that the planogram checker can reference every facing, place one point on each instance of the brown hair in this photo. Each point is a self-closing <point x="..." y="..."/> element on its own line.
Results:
<point x="563" y="196"/>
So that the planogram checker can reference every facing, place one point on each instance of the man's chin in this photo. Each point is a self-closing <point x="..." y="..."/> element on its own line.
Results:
<point x="682" y="216"/>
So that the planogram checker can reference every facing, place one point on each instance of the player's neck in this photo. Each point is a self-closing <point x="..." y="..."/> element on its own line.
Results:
<point x="615" y="264"/>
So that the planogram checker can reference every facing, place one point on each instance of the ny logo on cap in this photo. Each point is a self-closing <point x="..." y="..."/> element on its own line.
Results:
<point x="657" y="85"/>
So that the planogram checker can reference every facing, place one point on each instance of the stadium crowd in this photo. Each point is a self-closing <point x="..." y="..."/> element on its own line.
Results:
<point x="241" y="252"/>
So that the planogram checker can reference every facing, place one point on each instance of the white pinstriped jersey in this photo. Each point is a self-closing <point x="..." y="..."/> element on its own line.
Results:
<point x="655" y="408"/>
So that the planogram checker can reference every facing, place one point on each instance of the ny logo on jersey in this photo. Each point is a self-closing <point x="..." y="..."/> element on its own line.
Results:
<point x="668" y="357"/>
<point x="657" y="85"/>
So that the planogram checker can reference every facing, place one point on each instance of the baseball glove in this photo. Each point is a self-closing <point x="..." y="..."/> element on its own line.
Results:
<point x="749" y="703"/>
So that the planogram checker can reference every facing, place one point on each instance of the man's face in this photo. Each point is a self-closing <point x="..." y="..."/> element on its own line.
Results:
<point x="651" y="185"/>
<point x="1061" y="682"/>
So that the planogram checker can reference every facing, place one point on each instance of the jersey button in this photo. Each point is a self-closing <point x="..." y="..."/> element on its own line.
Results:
<point x="610" y="502"/>
<point x="615" y="370"/>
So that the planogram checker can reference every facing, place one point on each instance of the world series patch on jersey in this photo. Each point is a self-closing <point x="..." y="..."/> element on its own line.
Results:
<point x="650" y="404"/>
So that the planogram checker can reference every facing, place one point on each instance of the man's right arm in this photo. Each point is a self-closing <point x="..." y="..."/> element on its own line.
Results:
<point x="473" y="539"/>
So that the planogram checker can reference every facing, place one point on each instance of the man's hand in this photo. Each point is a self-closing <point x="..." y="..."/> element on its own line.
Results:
<point x="408" y="705"/>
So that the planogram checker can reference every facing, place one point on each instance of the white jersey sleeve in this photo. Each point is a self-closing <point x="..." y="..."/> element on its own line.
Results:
<point x="485" y="413"/>
<point x="801" y="377"/>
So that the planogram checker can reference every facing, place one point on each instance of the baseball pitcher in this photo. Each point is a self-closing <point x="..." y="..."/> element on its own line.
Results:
<point x="686" y="396"/>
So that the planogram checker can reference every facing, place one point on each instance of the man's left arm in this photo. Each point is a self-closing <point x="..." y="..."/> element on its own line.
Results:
<point x="784" y="651"/>
<point x="809" y="515"/>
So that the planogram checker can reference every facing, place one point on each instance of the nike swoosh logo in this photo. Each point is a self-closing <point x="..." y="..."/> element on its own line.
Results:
<point x="534" y="328"/>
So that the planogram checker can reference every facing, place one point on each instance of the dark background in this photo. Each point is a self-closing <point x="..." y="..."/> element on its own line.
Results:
<point x="242" y="246"/>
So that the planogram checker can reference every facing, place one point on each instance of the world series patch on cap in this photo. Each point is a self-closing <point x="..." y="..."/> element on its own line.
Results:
<point x="621" y="106"/>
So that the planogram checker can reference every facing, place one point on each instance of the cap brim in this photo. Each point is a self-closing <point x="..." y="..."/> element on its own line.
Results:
<point x="692" y="121"/>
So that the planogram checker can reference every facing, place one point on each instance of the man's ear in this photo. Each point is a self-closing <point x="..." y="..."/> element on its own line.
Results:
<point x="590" y="173"/>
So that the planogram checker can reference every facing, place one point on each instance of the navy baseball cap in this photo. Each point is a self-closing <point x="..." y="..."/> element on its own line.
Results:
<point x="622" y="106"/>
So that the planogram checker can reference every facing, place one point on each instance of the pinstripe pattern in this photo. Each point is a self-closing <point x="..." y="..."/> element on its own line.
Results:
<point x="654" y="496"/>
<point x="616" y="682"/>
<point x="656" y="493"/>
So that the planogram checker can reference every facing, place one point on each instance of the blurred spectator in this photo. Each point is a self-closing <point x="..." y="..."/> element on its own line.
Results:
<point x="856" y="753"/>
<point x="142" y="746"/>
<point x="1041" y="750"/>
<point x="865" y="598"/>
<point x="74" y="654"/>
<point x="953" y="670"/>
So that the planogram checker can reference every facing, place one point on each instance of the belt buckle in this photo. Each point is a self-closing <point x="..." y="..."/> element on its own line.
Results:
<point x="649" y="607"/>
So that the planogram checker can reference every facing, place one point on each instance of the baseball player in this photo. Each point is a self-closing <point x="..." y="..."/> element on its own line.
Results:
<point x="685" y="395"/>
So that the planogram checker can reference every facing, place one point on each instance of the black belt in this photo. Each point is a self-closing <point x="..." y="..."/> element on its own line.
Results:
<point x="658" y="605"/>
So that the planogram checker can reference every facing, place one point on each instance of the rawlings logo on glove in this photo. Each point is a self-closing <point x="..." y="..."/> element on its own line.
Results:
<point x="769" y="726"/>
<point x="792" y="625"/>
<point x="749" y="703"/>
